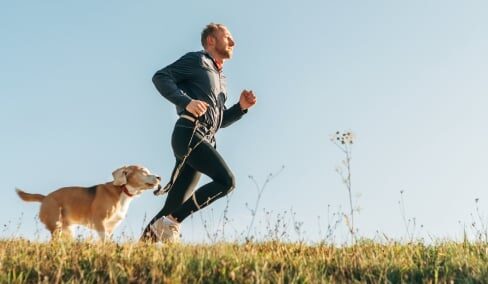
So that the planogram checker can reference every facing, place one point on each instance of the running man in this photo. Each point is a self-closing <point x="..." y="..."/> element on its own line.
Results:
<point x="196" y="85"/>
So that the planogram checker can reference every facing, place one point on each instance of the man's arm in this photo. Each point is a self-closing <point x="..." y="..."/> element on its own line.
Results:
<point x="232" y="115"/>
<point x="166" y="80"/>
<point x="246" y="101"/>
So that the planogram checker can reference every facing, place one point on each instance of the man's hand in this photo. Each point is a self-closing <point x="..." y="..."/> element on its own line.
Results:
<point x="197" y="108"/>
<point x="247" y="99"/>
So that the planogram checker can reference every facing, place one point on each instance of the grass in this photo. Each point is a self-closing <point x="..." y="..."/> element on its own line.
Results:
<point x="362" y="261"/>
<point x="268" y="262"/>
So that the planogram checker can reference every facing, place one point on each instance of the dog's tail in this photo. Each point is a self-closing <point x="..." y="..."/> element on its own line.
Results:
<point x="29" y="196"/>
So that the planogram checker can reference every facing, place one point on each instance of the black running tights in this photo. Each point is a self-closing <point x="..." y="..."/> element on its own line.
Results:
<point x="182" y="200"/>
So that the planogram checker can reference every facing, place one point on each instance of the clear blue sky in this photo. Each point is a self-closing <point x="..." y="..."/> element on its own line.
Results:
<point x="409" y="78"/>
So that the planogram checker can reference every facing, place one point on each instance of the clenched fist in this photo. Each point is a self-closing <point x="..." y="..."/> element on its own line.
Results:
<point x="197" y="107"/>
<point x="247" y="99"/>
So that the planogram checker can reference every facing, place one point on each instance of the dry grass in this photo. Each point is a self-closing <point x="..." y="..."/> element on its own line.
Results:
<point x="272" y="262"/>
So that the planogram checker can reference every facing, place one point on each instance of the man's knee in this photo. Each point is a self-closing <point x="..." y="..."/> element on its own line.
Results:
<point x="229" y="183"/>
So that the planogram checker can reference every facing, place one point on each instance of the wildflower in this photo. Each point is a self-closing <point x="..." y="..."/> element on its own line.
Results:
<point x="343" y="138"/>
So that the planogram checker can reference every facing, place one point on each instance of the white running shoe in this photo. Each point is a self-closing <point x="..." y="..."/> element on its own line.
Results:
<point x="166" y="230"/>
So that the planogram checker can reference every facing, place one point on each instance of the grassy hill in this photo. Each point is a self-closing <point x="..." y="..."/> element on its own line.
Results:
<point x="271" y="262"/>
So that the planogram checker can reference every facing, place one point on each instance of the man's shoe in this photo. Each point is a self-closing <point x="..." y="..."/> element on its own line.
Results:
<point x="166" y="230"/>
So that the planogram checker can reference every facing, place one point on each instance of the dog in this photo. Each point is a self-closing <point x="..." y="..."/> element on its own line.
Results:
<point x="101" y="207"/>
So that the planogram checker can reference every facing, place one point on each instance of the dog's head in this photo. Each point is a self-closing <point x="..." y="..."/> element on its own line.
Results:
<point x="135" y="178"/>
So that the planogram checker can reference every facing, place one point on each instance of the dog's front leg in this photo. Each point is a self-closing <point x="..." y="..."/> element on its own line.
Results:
<point x="103" y="236"/>
<point x="102" y="233"/>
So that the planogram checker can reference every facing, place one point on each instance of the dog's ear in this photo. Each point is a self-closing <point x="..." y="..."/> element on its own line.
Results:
<point x="120" y="176"/>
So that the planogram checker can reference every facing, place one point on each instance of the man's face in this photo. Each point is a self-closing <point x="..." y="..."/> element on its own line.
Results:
<point x="224" y="43"/>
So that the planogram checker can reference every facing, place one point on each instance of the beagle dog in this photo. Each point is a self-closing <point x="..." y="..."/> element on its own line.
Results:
<point x="101" y="207"/>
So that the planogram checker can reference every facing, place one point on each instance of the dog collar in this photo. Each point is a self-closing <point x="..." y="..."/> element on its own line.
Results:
<point x="124" y="190"/>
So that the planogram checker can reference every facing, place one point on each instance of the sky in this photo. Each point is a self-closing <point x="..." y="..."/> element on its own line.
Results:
<point x="409" y="78"/>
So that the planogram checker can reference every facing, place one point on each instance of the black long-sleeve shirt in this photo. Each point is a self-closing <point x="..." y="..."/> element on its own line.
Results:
<point x="196" y="76"/>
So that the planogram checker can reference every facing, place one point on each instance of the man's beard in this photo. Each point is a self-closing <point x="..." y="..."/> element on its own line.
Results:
<point x="223" y="53"/>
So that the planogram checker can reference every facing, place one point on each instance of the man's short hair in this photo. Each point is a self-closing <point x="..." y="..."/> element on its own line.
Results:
<point x="210" y="29"/>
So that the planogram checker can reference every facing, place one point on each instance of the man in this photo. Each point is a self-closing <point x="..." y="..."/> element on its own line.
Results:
<point x="196" y="85"/>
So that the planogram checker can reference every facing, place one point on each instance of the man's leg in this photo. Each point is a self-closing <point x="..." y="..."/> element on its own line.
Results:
<point x="181" y="190"/>
<point x="205" y="159"/>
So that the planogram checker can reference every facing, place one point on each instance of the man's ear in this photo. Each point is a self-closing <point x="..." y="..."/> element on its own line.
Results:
<point x="210" y="40"/>
<point x="120" y="176"/>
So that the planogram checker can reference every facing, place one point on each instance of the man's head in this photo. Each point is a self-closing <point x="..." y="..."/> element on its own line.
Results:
<point x="218" y="41"/>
